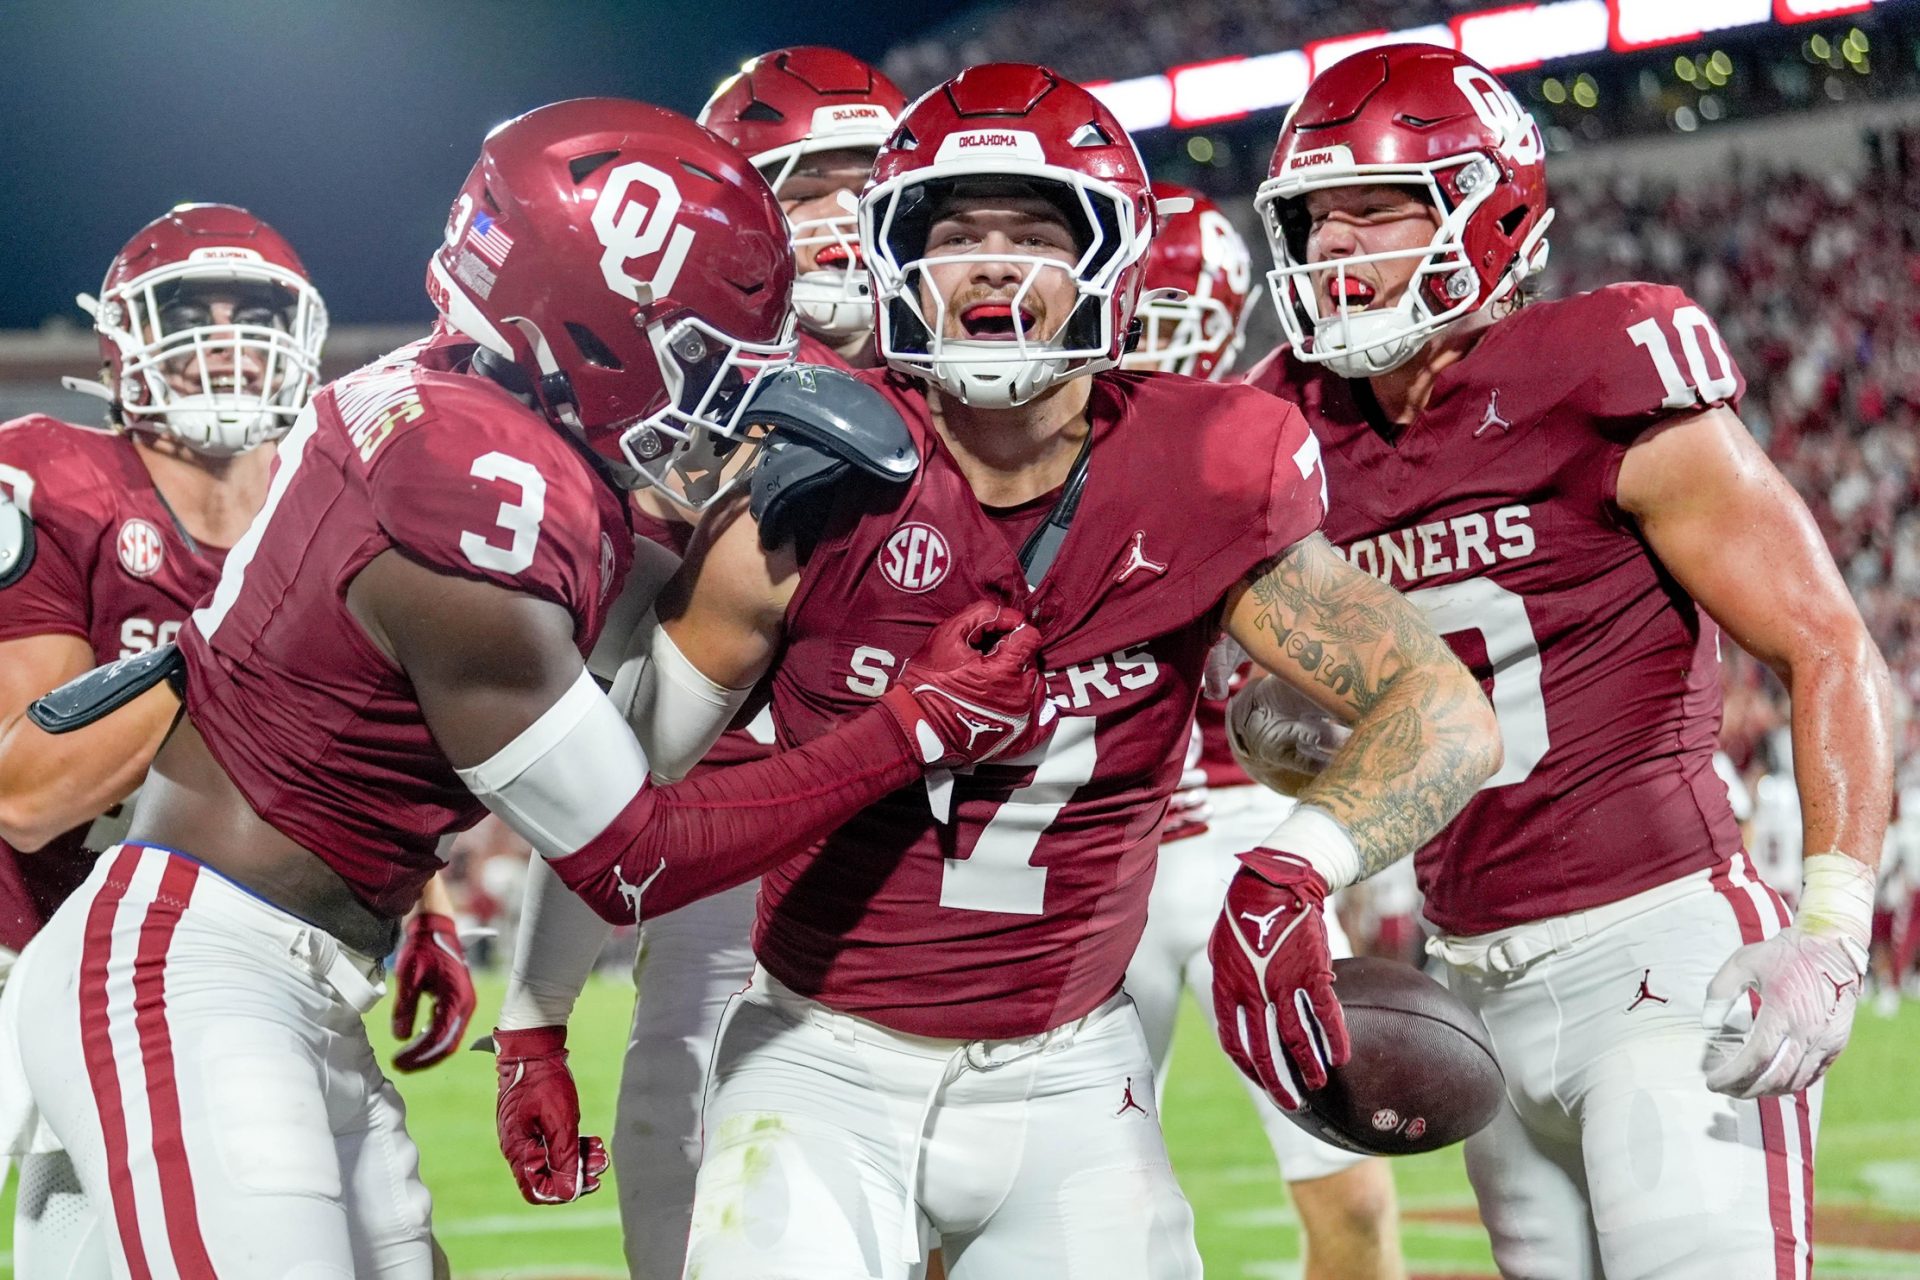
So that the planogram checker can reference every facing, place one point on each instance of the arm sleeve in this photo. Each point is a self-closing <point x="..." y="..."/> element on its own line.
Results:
<point x="673" y="845"/>
<point x="559" y="939"/>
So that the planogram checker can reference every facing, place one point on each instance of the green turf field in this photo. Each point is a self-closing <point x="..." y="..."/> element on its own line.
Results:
<point x="1868" y="1181"/>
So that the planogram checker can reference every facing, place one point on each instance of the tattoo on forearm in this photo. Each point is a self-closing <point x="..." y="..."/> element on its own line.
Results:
<point x="1422" y="738"/>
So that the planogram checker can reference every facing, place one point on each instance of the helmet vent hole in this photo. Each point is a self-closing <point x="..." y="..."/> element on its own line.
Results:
<point x="763" y="113"/>
<point x="1090" y="134"/>
<point x="905" y="141"/>
<point x="1419" y="123"/>
<point x="1511" y="220"/>
<point x="697" y="171"/>
<point x="595" y="351"/>
<point x="486" y="198"/>
<point x="580" y="167"/>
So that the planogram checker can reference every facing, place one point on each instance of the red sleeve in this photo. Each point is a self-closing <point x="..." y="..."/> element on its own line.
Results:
<point x="506" y="503"/>
<point x="678" y="844"/>
<point x="51" y="596"/>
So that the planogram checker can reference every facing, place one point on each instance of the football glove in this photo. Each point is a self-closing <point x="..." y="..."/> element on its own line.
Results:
<point x="975" y="690"/>
<point x="431" y="963"/>
<point x="1273" y="977"/>
<point x="537" y="1116"/>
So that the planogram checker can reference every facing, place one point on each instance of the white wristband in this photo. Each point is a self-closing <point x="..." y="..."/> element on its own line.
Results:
<point x="1836" y="897"/>
<point x="1316" y="836"/>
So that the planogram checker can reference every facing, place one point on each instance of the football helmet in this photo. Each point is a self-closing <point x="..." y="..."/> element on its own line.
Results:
<point x="635" y="269"/>
<point x="1199" y="282"/>
<point x="991" y="130"/>
<point x="792" y="103"/>
<point x="1424" y="117"/>
<point x="172" y="366"/>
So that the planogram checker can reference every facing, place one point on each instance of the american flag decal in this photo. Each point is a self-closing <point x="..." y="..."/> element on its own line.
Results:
<point x="488" y="240"/>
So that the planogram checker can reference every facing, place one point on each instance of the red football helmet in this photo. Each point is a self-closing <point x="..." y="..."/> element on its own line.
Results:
<point x="793" y="103"/>
<point x="990" y="129"/>
<point x="172" y="366"/>
<point x="636" y="269"/>
<point x="1421" y="116"/>
<point x="1199" y="280"/>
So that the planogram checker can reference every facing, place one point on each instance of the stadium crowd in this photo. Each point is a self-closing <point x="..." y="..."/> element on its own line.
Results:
<point x="1120" y="38"/>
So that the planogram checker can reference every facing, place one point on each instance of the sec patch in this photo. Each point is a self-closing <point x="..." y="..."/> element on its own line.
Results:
<point x="915" y="558"/>
<point x="141" y="549"/>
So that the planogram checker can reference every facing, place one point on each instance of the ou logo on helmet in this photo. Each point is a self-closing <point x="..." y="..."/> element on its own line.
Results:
<point x="637" y="224"/>
<point x="1519" y="136"/>
<point x="1222" y="247"/>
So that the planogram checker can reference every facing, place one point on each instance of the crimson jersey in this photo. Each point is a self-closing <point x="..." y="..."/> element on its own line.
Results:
<point x="110" y="566"/>
<point x="1495" y="512"/>
<point x="318" y="729"/>
<point x="1021" y="911"/>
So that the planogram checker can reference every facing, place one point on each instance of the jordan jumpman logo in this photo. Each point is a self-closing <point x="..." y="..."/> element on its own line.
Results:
<point x="1645" y="994"/>
<point x="1127" y="1103"/>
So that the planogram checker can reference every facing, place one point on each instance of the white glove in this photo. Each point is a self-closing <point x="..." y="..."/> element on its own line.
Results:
<point x="1808" y="979"/>
<point x="1282" y="738"/>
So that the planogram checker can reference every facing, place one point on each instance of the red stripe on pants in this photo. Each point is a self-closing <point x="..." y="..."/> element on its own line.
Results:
<point x="156" y="1051"/>
<point x="96" y="1047"/>
<point x="1772" y="1132"/>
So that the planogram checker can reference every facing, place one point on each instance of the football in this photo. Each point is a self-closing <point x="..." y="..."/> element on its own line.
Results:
<point x="1422" y="1075"/>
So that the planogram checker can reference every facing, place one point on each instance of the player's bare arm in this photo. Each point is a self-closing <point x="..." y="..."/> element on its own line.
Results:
<point x="1737" y="538"/>
<point x="1424" y="736"/>
<point x="1733" y="532"/>
<point x="725" y="608"/>
<point x="50" y="784"/>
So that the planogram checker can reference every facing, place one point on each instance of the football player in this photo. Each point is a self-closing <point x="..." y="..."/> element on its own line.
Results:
<point x="210" y="332"/>
<point x="1565" y="488"/>
<point x="1199" y="278"/>
<point x="395" y="646"/>
<point x="810" y="119"/>
<point x="935" y="1036"/>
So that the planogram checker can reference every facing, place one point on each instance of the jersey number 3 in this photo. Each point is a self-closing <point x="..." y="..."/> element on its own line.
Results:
<point x="520" y="519"/>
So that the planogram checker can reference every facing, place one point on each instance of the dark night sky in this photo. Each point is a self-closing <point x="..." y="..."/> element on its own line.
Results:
<point x="348" y="124"/>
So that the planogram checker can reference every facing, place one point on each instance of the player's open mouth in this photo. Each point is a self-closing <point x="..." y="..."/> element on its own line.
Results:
<point x="1348" y="294"/>
<point x="994" y="320"/>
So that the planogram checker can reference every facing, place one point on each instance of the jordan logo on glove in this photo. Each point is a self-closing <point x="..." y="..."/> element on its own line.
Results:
<point x="1263" y="924"/>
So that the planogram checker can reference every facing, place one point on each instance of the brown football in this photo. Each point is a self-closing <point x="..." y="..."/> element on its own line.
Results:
<point x="1422" y="1075"/>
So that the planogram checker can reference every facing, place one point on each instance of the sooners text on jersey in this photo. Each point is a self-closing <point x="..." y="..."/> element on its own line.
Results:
<point x="1020" y="911"/>
<point x="1495" y="514"/>
<point x="315" y="725"/>
<point x="111" y="567"/>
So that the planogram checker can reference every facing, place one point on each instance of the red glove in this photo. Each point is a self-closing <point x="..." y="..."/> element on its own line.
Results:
<point x="962" y="699"/>
<point x="538" y="1118"/>
<point x="1273" y="977"/>
<point x="431" y="963"/>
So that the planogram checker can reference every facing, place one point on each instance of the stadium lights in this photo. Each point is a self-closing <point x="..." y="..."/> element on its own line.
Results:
<point x="1508" y="38"/>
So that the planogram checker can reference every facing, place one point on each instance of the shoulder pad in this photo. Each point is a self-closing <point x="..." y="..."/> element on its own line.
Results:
<point x="827" y="425"/>
<point x="834" y="412"/>
<point x="16" y="540"/>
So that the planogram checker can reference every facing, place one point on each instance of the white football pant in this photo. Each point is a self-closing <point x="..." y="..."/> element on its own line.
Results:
<point x="833" y="1146"/>
<point x="200" y="1055"/>
<point x="56" y="1233"/>
<point x="690" y="963"/>
<point x="1189" y="887"/>
<point x="1611" y="1156"/>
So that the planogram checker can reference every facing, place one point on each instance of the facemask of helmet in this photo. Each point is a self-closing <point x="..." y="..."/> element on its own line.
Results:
<point x="219" y="388"/>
